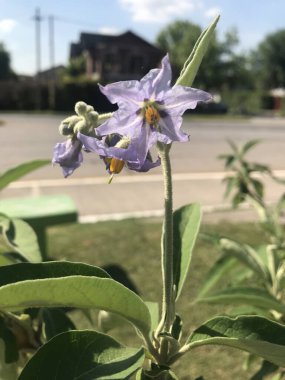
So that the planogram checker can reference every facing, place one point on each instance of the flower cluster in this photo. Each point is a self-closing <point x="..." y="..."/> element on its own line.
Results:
<point x="149" y="112"/>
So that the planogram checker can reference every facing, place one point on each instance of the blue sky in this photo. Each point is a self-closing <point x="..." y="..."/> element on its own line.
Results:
<point x="252" y="18"/>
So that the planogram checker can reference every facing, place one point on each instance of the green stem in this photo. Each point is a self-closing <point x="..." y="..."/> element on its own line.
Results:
<point x="168" y="307"/>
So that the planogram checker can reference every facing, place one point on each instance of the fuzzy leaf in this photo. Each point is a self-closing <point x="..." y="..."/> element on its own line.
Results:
<point x="249" y="145"/>
<point x="55" y="322"/>
<point x="10" y="346"/>
<point x="83" y="355"/>
<point x="19" y="171"/>
<point x="192" y="64"/>
<point x="20" y="236"/>
<point x="253" y="334"/>
<point x="80" y="292"/>
<point x="11" y="274"/>
<point x="218" y="270"/>
<point x="245" y="295"/>
<point x="186" y="224"/>
<point x="246" y="255"/>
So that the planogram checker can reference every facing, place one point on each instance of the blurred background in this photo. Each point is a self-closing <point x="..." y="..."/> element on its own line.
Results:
<point x="53" y="54"/>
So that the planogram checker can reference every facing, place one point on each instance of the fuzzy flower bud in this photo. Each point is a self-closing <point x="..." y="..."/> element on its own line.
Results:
<point x="81" y="126"/>
<point x="81" y="108"/>
<point x="66" y="127"/>
<point x="92" y="118"/>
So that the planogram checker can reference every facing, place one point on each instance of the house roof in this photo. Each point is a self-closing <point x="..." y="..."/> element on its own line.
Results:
<point x="89" y="41"/>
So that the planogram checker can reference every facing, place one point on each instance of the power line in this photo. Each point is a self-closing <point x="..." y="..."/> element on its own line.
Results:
<point x="73" y="22"/>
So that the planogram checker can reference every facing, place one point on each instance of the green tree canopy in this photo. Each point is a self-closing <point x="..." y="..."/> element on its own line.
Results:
<point x="5" y="69"/>
<point x="221" y="67"/>
<point x="269" y="60"/>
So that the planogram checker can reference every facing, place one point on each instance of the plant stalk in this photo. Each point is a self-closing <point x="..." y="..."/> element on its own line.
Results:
<point x="168" y="306"/>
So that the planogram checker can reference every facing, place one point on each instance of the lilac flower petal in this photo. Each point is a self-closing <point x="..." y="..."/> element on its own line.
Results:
<point x="161" y="137"/>
<point x="157" y="81"/>
<point x="126" y="93"/>
<point x="180" y="98"/>
<point x="147" y="165"/>
<point x="98" y="146"/>
<point x="137" y="150"/>
<point x="170" y="127"/>
<point x="68" y="155"/>
<point x="92" y="144"/>
<point x="125" y="124"/>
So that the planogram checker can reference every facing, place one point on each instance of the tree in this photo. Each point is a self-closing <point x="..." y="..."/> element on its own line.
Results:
<point x="5" y="69"/>
<point x="269" y="60"/>
<point x="221" y="68"/>
<point x="76" y="67"/>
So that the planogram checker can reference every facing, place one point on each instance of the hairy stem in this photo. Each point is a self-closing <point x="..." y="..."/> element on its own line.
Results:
<point x="103" y="116"/>
<point x="168" y="308"/>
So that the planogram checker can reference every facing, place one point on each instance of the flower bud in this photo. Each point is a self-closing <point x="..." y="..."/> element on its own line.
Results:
<point x="89" y="109"/>
<point x="66" y="127"/>
<point x="81" y="108"/>
<point x="80" y="126"/>
<point x="93" y="118"/>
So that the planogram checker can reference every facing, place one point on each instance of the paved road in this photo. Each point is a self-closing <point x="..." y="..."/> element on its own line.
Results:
<point x="197" y="171"/>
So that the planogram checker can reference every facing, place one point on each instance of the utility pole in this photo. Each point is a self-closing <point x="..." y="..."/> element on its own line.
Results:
<point x="51" y="40"/>
<point x="52" y="81"/>
<point x="37" y="18"/>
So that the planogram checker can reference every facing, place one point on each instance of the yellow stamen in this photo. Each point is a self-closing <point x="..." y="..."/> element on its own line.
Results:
<point x="116" y="165"/>
<point x="151" y="115"/>
<point x="110" y="178"/>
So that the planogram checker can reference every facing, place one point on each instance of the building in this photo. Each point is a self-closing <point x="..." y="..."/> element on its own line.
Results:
<point x="113" y="58"/>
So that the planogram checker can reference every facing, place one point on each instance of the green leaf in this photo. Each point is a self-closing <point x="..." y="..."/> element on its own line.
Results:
<point x="258" y="187"/>
<point x="249" y="145"/>
<point x="55" y="322"/>
<point x="234" y="147"/>
<point x="176" y="329"/>
<point x="246" y="255"/>
<point x="53" y="269"/>
<point x="80" y="292"/>
<point x="192" y="64"/>
<point x="218" y="270"/>
<point x="266" y="369"/>
<point x="231" y="182"/>
<point x="19" y="171"/>
<point x="7" y="371"/>
<point x="83" y="355"/>
<point x="261" y="210"/>
<point x="153" y="308"/>
<point x="186" y="224"/>
<point x="156" y="373"/>
<point x="20" y="236"/>
<point x="253" y="334"/>
<point x="245" y="295"/>
<point x="10" y="351"/>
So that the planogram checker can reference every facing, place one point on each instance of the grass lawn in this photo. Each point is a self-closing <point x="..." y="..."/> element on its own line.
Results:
<point x="135" y="245"/>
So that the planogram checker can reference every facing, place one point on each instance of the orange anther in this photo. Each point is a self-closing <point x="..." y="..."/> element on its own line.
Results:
<point x="116" y="165"/>
<point x="151" y="115"/>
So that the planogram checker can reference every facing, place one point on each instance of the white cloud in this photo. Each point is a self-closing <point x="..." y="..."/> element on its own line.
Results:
<point x="159" y="10"/>
<point x="212" y="12"/>
<point x="7" y="25"/>
<point x="108" y="30"/>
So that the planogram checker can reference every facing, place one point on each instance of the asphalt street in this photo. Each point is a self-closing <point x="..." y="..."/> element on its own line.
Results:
<point x="197" y="172"/>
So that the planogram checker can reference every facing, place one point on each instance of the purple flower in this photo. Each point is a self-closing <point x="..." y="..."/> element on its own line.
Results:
<point x="150" y="110"/>
<point x="117" y="152"/>
<point x="68" y="155"/>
